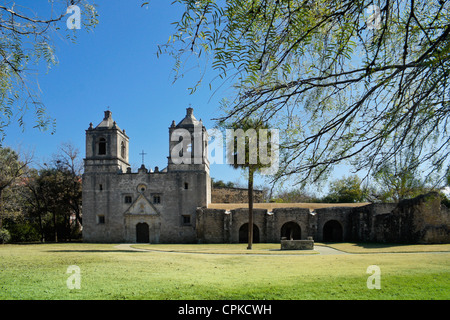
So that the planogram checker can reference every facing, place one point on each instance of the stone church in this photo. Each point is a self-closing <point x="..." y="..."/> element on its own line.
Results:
<point x="173" y="205"/>
<point x="156" y="206"/>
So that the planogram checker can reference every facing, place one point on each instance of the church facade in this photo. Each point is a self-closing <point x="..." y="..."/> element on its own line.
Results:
<point x="152" y="206"/>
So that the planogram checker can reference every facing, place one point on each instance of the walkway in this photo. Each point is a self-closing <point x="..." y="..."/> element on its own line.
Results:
<point x="128" y="247"/>
<point x="328" y="250"/>
<point x="321" y="249"/>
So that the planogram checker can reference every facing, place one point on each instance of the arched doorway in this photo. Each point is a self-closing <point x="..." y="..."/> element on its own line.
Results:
<point x="332" y="231"/>
<point x="142" y="233"/>
<point x="243" y="233"/>
<point x="291" y="231"/>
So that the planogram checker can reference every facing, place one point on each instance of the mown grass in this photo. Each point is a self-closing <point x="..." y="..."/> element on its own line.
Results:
<point x="39" y="272"/>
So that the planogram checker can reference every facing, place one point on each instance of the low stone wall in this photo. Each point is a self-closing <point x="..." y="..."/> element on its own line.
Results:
<point x="234" y="195"/>
<point x="419" y="220"/>
<point x="297" y="244"/>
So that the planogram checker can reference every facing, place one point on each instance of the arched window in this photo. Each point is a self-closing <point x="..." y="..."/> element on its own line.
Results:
<point x="102" y="146"/>
<point x="122" y="150"/>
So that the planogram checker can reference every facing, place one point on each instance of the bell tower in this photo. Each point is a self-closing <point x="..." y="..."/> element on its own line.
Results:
<point x="188" y="144"/>
<point x="106" y="147"/>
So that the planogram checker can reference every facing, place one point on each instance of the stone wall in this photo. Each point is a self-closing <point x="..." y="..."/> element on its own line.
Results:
<point x="419" y="220"/>
<point x="234" y="195"/>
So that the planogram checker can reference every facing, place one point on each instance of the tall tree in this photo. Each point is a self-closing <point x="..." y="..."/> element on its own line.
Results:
<point x="345" y="80"/>
<point x="36" y="204"/>
<point x="11" y="168"/>
<point x="249" y="138"/>
<point x="68" y="161"/>
<point x="26" y="38"/>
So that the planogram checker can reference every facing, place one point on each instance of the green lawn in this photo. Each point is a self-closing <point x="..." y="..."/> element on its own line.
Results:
<point x="39" y="272"/>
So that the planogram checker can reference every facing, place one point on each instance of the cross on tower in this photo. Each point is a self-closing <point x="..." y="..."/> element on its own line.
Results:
<point x="142" y="154"/>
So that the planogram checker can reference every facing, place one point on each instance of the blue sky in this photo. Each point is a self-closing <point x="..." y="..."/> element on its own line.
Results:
<point x="116" y="66"/>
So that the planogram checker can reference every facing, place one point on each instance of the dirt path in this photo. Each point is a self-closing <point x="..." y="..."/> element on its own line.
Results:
<point x="328" y="250"/>
<point x="321" y="249"/>
<point x="128" y="246"/>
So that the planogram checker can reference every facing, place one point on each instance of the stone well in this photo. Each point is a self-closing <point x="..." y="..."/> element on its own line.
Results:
<point x="297" y="244"/>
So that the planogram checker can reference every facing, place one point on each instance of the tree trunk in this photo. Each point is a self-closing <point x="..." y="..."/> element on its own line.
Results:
<point x="54" y="226"/>
<point x="250" y="208"/>
<point x="41" y="227"/>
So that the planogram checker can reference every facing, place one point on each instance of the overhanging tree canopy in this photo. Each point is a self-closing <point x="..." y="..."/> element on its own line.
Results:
<point x="26" y="37"/>
<point x="343" y="79"/>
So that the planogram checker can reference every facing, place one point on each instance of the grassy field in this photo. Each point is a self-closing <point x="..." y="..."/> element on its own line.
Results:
<point x="39" y="272"/>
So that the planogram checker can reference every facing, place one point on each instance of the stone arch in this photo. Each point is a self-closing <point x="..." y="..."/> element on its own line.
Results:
<point x="291" y="231"/>
<point x="142" y="233"/>
<point x="333" y="231"/>
<point x="243" y="233"/>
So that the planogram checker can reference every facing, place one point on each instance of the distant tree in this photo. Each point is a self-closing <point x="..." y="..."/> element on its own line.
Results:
<point x="346" y="190"/>
<point x="221" y="184"/>
<point x="399" y="178"/>
<point x="54" y="189"/>
<point x="37" y="206"/>
<point x="68" y="160"/>
<point x="54" y="195"/>
<point x="11" y="169"/>
<point x="27" y="38"/>
<point x="295" y="196"/>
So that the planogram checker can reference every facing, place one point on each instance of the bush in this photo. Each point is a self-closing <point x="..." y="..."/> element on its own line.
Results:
<point x="23" y="232"/>
<point x="5" y="237"/>
<point x="444" y="200"/>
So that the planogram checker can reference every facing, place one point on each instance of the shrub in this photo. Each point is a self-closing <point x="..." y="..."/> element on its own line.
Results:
<point x="5" y="237"/>
<point x="23" y="232"/>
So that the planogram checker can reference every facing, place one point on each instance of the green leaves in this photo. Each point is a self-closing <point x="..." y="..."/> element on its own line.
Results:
<point x="346" y="190"/>
<point x="26" y="40"/>
<point x="361" y="95"/>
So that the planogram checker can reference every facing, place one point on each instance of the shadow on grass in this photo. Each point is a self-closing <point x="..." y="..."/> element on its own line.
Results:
<point x="96" y="251"/>
<point x="374" y="247"/>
